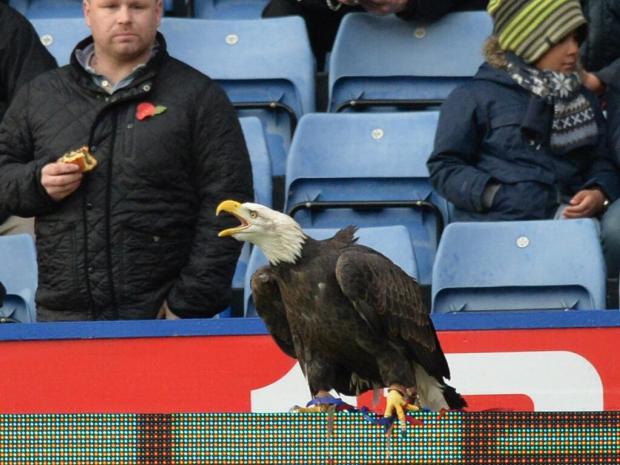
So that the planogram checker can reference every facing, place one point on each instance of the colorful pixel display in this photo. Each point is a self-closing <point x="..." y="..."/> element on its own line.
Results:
<point x="346" y="438"/>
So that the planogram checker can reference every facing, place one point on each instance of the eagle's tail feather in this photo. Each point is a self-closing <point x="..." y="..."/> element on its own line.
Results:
<point x="454" y="399"/>
<point x="434" y="394"/>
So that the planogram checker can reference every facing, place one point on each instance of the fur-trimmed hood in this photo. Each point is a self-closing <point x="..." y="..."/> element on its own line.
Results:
<point x="495" y="64"/>
<point x="493" y="53"/>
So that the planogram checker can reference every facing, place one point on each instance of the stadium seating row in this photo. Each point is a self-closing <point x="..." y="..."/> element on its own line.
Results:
<point x="476" y="267"/>
<point x="480" y="267"/>
<point x="349" y="169"/>
<point x="212" y="9"/>
<point x="495" y="266"/>
<point x="370" y="170"/>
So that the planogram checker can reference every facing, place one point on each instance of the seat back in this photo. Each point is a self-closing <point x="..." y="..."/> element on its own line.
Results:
<point x="36" y="9"/>
<point x="265" y="66"/>
<point x="391" y="241"/>
<point x="229" y="9"/>
<point x="61" y="35"/>
<point x="261" y="176"/>
<point x="377" y="59"/>
<point x="259" y="157"/>
<point x="39" y="9"/>
<point x="18" y="274"/>
<point x="519" y="265"/>
<point x="367" y="170"/>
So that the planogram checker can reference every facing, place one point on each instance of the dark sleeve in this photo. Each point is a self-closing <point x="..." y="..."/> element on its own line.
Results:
<point x="22" y="55"/>
<point x="223" y="171"/>
<point x="432" y="10"/>
<point x="602" y="171"/>
<point x="613" y="122"/>
<point x="21" y="192"/>
<point x="452" y="165"/>
<point x="610" y="74"/>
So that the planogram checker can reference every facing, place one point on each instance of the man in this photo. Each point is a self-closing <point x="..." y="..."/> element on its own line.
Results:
<point x="601" y="58"/>
<point x="136" y="236"/>
<point x="22" y="57"/>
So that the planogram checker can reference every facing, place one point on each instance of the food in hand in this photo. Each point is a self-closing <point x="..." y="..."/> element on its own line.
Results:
<point x="81" y="157"/>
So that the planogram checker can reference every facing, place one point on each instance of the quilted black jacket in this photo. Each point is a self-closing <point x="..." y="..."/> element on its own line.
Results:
<point x="141" y="228"/>
<point x="22" y="57"/>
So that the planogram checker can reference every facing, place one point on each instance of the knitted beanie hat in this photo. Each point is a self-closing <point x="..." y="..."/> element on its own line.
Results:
<point x="529" y="28"/>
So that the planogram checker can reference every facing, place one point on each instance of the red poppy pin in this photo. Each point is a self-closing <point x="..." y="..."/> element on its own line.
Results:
<point x="147" y="109"/>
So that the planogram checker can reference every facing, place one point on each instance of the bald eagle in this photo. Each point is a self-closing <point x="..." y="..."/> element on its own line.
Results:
<point x="353" y="319"/>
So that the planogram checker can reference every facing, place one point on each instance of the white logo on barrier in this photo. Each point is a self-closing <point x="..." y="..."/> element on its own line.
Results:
<point x="554" y="380"/>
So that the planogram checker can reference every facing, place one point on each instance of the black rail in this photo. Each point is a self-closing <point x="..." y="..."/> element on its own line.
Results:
<point x="274" y="106"/>
<point x="413" y="105"/>
<point x="368" y="205"/>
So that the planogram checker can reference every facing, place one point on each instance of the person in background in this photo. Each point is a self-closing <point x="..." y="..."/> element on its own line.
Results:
<point x="22" y="57"/>
<point x="135" y="237"/>
<point x="323" y="17"/>
<point x="601" y="62"/>
<point x="525" y="140"/>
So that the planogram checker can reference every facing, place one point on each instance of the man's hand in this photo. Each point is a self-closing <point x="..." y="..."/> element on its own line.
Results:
<point x="166" y="313"/>
<point x="60" y="179"/>
<point x="585" y="204"/>
<point x="379" y="7"/>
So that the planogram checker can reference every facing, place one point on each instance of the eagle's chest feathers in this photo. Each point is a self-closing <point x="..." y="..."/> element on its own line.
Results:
<point x="316" y="309"/>
<point x="305" y="294"/>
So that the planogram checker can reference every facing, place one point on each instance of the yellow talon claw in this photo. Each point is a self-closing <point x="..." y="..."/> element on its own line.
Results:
<point x="397" y="403"/>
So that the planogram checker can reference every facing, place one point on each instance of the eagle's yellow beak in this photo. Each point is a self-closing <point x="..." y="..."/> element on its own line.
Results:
<point x="234" y="208"/>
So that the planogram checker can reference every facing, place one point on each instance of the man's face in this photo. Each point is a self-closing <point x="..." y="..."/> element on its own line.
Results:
<point x="123" y="29"/>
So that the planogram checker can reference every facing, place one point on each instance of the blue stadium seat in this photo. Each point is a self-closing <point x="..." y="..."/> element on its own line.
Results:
<point x="259" y="156"/>
<point x="519" y="265"/>
<point x="391" y="241"/>
<point x="367" y="169"/>
<point x="266" y="66"/>
<point x="261" y="175"/>
<point x="61" y="35"/>
<point x="229" y="9"/>
<point x="36" y="9"/>
<point x="18" y="274"/>
<point x="385" y="61"/>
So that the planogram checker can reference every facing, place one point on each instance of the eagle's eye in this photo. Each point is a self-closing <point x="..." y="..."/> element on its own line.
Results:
<point x="253" y="214"/>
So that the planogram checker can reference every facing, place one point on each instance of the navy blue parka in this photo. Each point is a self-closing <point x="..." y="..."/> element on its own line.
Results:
<point x="494" y="132"/>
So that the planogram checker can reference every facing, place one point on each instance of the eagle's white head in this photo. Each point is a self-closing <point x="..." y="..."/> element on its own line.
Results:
<point x="276" y="234"/>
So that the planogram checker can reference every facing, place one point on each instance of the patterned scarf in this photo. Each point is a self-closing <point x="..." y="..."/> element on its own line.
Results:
<point x="574" y="122"/>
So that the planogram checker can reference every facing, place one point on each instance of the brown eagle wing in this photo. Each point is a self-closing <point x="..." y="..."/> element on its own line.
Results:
<point x="390" y="302"/>
<point x="270" y="308"/>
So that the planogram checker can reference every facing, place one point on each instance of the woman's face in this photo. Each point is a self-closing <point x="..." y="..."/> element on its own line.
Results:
<point x="562" y="57"/>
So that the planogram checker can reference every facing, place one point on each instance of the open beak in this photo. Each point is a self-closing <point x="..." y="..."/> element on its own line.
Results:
<point x="234" y="208"/>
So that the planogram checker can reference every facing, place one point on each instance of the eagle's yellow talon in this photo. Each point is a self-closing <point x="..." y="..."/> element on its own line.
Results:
<point x="395" y="404"/>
